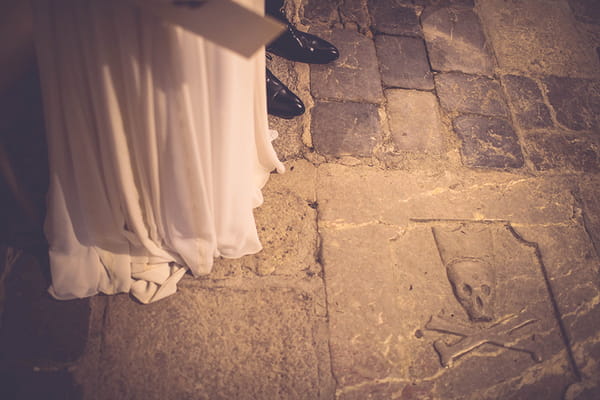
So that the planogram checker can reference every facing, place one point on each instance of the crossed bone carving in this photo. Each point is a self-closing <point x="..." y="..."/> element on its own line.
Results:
<point x="498" y="334"/>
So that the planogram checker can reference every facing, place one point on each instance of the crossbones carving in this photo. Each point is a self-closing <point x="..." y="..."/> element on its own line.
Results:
<point x="498" y="334"/>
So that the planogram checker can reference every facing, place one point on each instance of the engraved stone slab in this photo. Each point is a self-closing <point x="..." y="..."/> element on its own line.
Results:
<point x="470" y="94"/>
<point x="456" y="41"/>
<point x="403" y="62"/>
<point x="555" y="150"/>
<point x="208" y="343"/>
<point x="488" y="142"/>
<point x="414" y="120"/>
<point x="341" y="129"/>
<point x="394" y="19"/>
<point x="576" y="102"/>
<point x="528" y="40"/>
<point x="527" y="102"/>
<point x="354" y="76"/>
<point x="320" y="11"/>
<point x="404" y="285"/>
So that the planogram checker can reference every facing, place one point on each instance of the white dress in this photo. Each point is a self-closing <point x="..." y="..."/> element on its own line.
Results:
<point x="158" y="146"/>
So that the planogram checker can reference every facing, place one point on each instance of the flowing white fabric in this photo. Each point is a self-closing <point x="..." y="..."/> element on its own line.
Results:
<point x="158" y="145"/>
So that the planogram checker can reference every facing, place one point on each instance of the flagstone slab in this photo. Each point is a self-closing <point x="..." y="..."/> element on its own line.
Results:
<point x="575" y="101"/>
<point x="456" y="41"/>
<point x="340" y="129"/>
<point x="414" y="121"/>
<point x="394" y="19"/>
<point x="527" y="102"/>
<point x="209" y="343"/>
<point x="427" y="274"/>
<point x="560" y="151"/>
<point x="529" y="41"/>
<point x="488" y="142"/>
<point x="470" y="94"/>
<point x="403" y="62"/>
<point x="354" y="76"/>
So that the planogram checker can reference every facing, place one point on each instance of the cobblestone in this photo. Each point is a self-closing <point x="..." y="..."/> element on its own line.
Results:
<point x="488" y="142"/>
<point x="576" y="102"/>
<point x="530" y="110"/>
<point x="470" y="94"/>
<point x="456" y="41"/>
<point x="414" y="121"/>
<point x="354" y="76"/>
<point x="553" y="150"/>
<point x="403" y="62"/>
<point x="394" y="19"/>
<point x="341" y="129"/>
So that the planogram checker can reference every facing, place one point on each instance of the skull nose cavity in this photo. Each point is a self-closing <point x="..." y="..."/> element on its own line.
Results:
<point x="467" y="289"/>
<point x="486" y="289"/>
<point x="479" y="301"/>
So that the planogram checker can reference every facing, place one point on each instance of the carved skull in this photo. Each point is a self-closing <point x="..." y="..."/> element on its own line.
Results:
<point x="473" y="282"/>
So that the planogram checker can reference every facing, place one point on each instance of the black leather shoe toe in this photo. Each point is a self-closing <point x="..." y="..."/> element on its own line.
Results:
<point x="281" y="102"/>
<point x="303" y="47"/>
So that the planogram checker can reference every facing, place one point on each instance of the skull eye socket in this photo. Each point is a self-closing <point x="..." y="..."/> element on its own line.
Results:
<point x="486" y="290"/>
<point x="467" y="289"/>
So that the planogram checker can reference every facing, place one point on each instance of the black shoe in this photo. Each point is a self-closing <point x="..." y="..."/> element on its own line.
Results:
<point x="303" y="47"/>
<point x="281" y="102"/>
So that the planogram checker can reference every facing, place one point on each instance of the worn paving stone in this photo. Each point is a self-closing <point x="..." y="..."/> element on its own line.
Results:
<point x="555" y="150"/>
<point x="391" y="270"/>
<point x="36" y="329"/>
<point x="209" y="343"/>
<point x="575" y="101"/>
<point x="354" y="13"/>
<point x="320" y="11"/>
<point x="589" y="196"/>
<point x="414" y="121"/>
<point x="287" y="228"/>
<point x="527" y="102"/>
<point x="394" y="19"/>
<point x="586" y="10"/>
<point x="456" y="41"/>
<point x="488" y="142"/>
<point x="528" y="41"/>
<point x="345" y="129"/>
<point x="470" y="94"/>
<point x="403" y="62"/>
<point x="354" y="76"/>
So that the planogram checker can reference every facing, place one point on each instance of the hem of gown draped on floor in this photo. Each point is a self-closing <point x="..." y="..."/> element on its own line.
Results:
<point x="158" y="146"/>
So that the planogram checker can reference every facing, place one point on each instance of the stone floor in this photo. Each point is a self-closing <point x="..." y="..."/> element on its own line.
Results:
<point x="436" y="235"/>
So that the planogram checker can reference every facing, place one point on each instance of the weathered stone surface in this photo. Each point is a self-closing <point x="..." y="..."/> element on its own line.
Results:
<point x="527" y="102"/>
<point x="488" y="142"/>
<point x="470" y="94"/>
<point x="586" y="10"/>
<point x="403" y="62"/>
<point x="320" y="11"/>
<point x="354" y="76"/>
<point x="554" y="150"/>
<point x="354" y="13"/>
<point x="289" y="141"/>
<point x="287" y="228"/>
<point x="527" y="39"/>
<point x="456" y="41"/>
<point x="205" y="343"/>
<point x="393" y="19"/>
<point x="389" y="262"/>
<point x="576" y="102"/>
<point x="341" y="129"/>
<point x="589" y="195"/>
<point x="414" y="120"/>
<point x="36" y="329"/>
